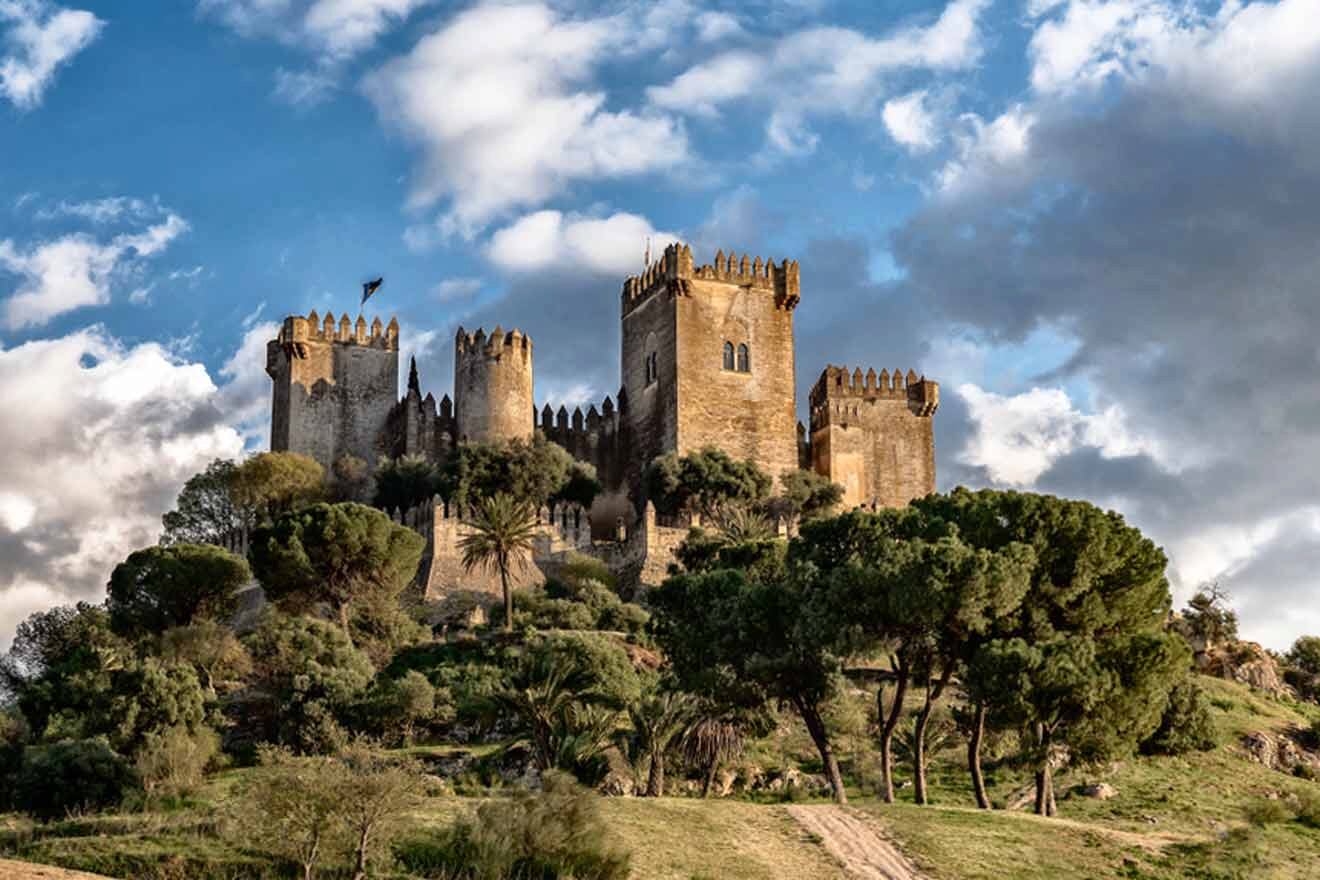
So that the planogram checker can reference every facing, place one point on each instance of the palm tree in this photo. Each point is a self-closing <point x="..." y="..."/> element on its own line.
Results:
<point x="500" y="538"/>
<point x="711" y="741"/>
<point x="658" y="721"/>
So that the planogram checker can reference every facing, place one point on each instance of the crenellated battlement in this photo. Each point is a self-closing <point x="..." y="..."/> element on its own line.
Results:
<point x="297" y="329"/>
<point x="497" y="343"/>
<point x="837" y="383"/>
<point x="676" y="266"/>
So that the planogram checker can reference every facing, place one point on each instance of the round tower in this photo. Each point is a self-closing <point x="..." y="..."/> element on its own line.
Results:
<point x="493" y="386"/>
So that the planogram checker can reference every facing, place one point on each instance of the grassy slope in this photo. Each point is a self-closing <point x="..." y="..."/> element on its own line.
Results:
<point x="1173" y="817"/>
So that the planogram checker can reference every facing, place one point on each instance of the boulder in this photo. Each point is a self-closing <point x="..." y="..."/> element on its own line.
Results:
<point x="1099" y="790"/>
<point x="1246" y="663"/>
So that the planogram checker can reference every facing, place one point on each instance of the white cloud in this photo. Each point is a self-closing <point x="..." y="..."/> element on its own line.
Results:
<point x="337" y="28"/>
<point x="245" y="397"/>
<point x="107" y="210"/>
<point x="38" y="38"/>
<point x="713" y="26"/>
<point x="304" y="88"/>
<point x="1017" y="438"/>
<point x="823" y="70"/>
<point x="108" y="435"/>
<point x="613" y="245"/>
<point x="76" y="270"/>
<point x="910" y="122"/>
<point x="455" y="289"/>
<point x="988" y="153"/>
<point x="501" y="105"/>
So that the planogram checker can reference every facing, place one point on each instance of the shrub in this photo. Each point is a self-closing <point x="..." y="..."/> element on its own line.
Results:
<point x="1187" y="725"/>
<point x="172" y="762"/>
<point x="1308" y="809"/>
<point x="555" y="834"/>
<point x="607" y="674"/>
<point x="1265" y="811"/>
<point x="287" y="808"/>
<point x="70" y="776"/>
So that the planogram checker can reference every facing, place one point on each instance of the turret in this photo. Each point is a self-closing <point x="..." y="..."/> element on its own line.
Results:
<point x="493" y="385"/>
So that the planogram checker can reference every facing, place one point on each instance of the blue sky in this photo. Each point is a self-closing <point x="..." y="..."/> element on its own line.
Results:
<point x="1091" y="220"/>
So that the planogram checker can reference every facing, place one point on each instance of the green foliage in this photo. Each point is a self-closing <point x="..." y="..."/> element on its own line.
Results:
<point x="335" y="553"/>
<point x="382" y="628"/>
<point x="602" y="672"/>
<point x="807" y="495"/>
<point x="500" y="537"/>
<point x="205" y="511"/>
<point x="270" y="484"/>
<point x="1208" y="617"/>
<point x="59" y="666"/>
<point x="71" y="776"/>
<point x="659" y="720"/>
<point x="575" y="601"/>
<point x="466" y="675"/>
<point x="148" y="697"/>
<point x="533" y="473"/>
<point x="762" y="558"/>
<point x="1305" y="654"/>
<point x="157" y="588"/>
<point x="404" y="482"/>
<point x="305" y="672"/>
<point x="703" y="482"/>
<point x="171" y="762"/>
<point x="1264" y="812"/>
<point x="395" y="708"/>
<point x="351" y="480"/>
<point x="554" y="834"/>
<point x="287" y="808"/>
<point x="1187" y="725"/>
<point x="214" y="652"/>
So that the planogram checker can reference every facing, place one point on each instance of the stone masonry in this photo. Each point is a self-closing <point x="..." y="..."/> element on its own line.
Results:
<point x="707" y="359"/>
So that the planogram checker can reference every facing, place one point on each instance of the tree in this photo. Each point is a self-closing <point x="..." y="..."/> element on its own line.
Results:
<point x="403" y="483"/>
<point x="399" y="704"/>
<point x="305" y="672"/>
<point x="205" y="512"/>
<point x="702" y="482"/>
<point x="337" y="554"/>
<point x="273" y="483"/>
<point x="1209" y="619"/>
<point x="807" y="495"/>
<point x="659" y="720"/>
<point x="534" y="472"/>
<point x="712" y="739"/>
<point x="157" y="588"/>
<point x="213" y="651"/>
<point x="373" y="793"/>
<point x="499" y="537"/>
<point x="288" y="807"/>
<point x="71" y="775"/>
<point x="758" y="639"/>
<point x="148" y="697"/>
<point x="1303" y="671"/>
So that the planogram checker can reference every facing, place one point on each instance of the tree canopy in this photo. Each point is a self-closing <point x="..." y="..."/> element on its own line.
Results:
<point x="703" y="482"/>
<point x="336" y="554"/>
<point x="533" y="472"/>
<point x="205" y="511"/>
<point x="157" y="588"/>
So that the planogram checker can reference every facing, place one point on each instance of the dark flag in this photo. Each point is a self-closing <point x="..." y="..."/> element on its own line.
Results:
<point x="369" y="288"/>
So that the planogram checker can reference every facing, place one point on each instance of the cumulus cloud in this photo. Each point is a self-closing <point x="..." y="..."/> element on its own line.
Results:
<point x="501" y="106"/>
<point x="108" y="435"/>
<point x="36" y="38"/>
<point x="1165" y="223"/>
<point x="910" y="121"/>
<point x="824" y="70"/>
<point x="337" y="28"/>
<point x="457" y="289"/>
<point x="77" y="270"/>
<point x="613" y="246"/>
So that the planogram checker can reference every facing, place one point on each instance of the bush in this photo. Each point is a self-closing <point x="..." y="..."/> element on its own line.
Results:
<point x="1308" y="810"/>
<point x="1263" y="812"/>
<point x="71" y="776"/>
<point x="172" y="762"/>
<point x="555" y="834"/>
<point x="1187" y="725"/>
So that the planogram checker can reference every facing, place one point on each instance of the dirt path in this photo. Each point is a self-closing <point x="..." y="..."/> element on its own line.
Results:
<point x="28" y="871"/>
<point x="855" y="841"/>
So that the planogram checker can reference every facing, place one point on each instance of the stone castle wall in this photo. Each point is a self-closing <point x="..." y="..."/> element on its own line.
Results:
<point x="493" y="386"/>
<point x="335" y="386"/>
<point x="874" y="435"/>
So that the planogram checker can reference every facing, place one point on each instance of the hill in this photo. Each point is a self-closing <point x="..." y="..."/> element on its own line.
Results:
<point x="1214" y="815"/>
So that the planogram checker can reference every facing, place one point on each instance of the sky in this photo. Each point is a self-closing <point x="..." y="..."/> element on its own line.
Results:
<point x="1094" y="222"/>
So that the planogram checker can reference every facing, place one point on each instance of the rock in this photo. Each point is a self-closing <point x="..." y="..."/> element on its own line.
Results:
<point x="1246" y="663"/>
<point x="1100" y="790"/>
<point x="1279" y="752"/>
<point x="436" y="786"/>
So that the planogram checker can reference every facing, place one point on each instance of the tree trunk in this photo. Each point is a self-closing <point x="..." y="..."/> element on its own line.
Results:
<point x="816" y="727"/>
<point x="310" y="864"/>
<point x="655" y="783"/>
<point x="888" y="724"/>
<point x="360" y="869"/>
<point x="709" y="777"/>
<point x="508" y="598"/>
<point x="343" y="619"/>
<point x="1044" y="774"/>
<point x="974" y="757"/>
<point x="919" y="734"/>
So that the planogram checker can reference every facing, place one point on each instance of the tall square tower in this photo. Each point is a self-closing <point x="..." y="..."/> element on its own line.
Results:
<point x="708" y="359"/>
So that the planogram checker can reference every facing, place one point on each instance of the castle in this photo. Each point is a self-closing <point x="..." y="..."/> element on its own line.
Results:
<point x="707" y="359"/>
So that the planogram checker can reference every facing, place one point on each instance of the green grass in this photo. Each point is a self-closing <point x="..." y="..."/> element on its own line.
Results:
<point x="1174" y="817"/>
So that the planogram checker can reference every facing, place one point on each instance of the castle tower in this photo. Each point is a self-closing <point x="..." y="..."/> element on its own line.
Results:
<point x="708" y="359"/>
<point x="874" y="435"/>
<point x="493" y="386"/>
<point x="335" y="385"/>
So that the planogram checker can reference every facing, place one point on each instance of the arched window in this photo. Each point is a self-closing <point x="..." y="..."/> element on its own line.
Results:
<point x="652" y="368"/>
<point x="744" y="359"/>
<point x="728" y="355"/>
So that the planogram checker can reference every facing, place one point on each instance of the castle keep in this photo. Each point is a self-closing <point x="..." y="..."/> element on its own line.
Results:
<point x="707" y="359"/>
